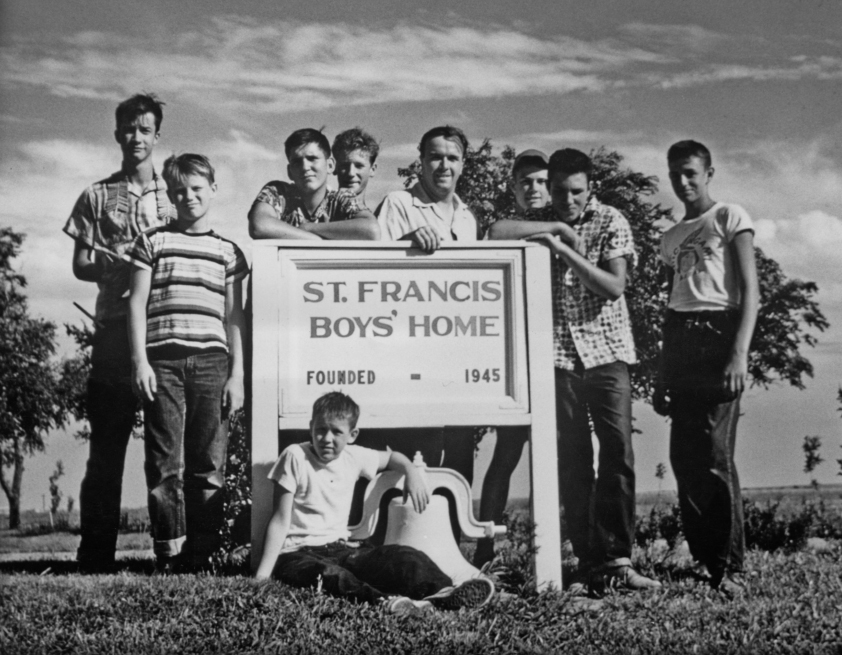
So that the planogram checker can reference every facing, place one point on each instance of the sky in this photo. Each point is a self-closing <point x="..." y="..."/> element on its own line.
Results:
<point x="759" y="82"/>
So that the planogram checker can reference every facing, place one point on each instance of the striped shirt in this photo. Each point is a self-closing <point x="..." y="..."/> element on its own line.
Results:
<point x="190" y="273"/>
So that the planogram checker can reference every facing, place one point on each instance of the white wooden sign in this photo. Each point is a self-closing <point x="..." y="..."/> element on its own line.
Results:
<point x="462" y="336"/>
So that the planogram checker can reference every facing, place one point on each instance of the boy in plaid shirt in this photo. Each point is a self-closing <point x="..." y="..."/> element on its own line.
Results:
<point x="593" y="345"/>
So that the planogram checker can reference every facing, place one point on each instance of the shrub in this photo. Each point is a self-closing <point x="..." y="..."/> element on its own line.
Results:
<point x="663" y="522"/>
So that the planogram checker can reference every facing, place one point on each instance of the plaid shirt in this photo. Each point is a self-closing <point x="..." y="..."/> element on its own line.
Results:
<point x="107" y="217"/>
<point x="585" y="325"/>
<point x="289" y="207"/>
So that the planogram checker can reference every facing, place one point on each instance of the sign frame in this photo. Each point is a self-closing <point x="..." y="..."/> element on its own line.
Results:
<point x="532" y="386"/>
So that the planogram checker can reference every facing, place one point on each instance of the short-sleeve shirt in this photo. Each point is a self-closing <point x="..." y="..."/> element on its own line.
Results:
<point x="321" y="491"/>
<point x="699" y="253"/>
<point x="402" y="212"/>
<point x="587" y="326"/>
<point x="190" y="273"/>
<point x="289" y="207"/>
<point x="107" y="217"/>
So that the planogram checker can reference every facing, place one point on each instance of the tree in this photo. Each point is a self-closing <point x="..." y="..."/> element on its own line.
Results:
<point x="30" y="400"/>
<point x="55" y="492"/>
<point x="788" y="309"/>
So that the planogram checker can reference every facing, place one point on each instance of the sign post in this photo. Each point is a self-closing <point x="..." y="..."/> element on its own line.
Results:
<point x="462" y="336"/>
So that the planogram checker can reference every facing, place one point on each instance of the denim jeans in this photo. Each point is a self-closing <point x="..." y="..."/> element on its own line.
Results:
<point x="697" y="346"/>
<point x="186" y="442"/>
<point x="364" y="574"/>
<point x="111" y="407"/>
<point x="599" y="514"/>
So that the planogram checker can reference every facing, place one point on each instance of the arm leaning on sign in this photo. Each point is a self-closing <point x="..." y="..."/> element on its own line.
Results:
<point x="361" y="227"/>
<point x="265" y="224"/>
<point x="414" y="486"/>
<point x="608" y="282"/>
<point x="276" y="532"/>
<point x="514" y="229"/>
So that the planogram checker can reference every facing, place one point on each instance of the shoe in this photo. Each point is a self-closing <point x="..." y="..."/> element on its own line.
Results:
<point x="403" y="605"/>
<point x="471" y="594"/>
<point x="625" y="577"/>
<point x="729" y="586"/>
<point x="579" y="583"/>
<point x="701" y="572"/>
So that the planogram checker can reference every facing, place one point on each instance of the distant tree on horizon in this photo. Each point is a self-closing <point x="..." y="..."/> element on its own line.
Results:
<point x="31" y="398"/>
<point x="788" y="307"/>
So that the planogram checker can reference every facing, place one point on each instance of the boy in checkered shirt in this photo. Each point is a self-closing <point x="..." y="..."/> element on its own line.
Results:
<point x="593" y="345"/>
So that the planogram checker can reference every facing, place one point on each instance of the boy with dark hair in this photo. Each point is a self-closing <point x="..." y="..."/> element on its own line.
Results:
<point x="307" y="208"/>
<point x="186" y="323"/>
<point x="356" y="160"/>
<point x="306" y="538"/>
<point x="593" y="348"/>
<point x="532" y="196"/>
<point x="712" y="310"/>
<point x="105" y="220"/>
<point x="431" y="211"/>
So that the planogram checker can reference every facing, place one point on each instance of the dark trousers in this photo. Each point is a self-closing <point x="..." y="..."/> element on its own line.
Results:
<point x="697" y="346"/>
<point x="365" y="574"/>
<point x="599" y="515"/>
<point x="186" y="438"/>
<point x="111" y="408"/>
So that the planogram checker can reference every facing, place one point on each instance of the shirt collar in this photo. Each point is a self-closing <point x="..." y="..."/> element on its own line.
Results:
<point x="420" y="198"/>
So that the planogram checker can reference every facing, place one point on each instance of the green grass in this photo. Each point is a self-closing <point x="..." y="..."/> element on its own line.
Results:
<point x="793" y="605"/>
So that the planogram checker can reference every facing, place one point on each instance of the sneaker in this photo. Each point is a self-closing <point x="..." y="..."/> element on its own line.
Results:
<point x="729" y="586"/>
<point x="579" y="583"/>
<point x="404" y="605"/>
<point x="625" y="577"/>
<point x="472" y="594"/>
<point x="701" y="572"/>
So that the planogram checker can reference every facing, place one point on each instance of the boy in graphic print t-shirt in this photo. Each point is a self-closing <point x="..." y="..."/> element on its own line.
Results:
<point x="185" y="332"/>
<point x="713" y="302"/>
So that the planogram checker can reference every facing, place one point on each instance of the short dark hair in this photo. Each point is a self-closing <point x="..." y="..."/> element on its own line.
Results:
<point x="336" y="404"/>
<point x="689" y="148"/>
<point x="177" y="167"/>
<point x="140" y="104"/>
<point x="356" y="139"/>
<point x="304" y="137"/>
<point x="448" y="132"/>
<point x="569" y="161"/>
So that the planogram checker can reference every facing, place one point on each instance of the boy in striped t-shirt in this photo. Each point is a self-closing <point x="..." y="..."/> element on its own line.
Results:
<point x="185" y="330"/>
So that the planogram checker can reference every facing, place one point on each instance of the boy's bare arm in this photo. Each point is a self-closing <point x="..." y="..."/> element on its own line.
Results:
<point x="85" y="266"/>
<point x="414" y="485"/>
<point x="233" y="393"/>
<point x="264" y="224"/>
<point x="736" y="371"/>
<point x="608" y="282"/>
<point x="512" y="229"/>
<point x="362" y="227"/>
<point x="143" y="377"/>
<point x="276" y="532"/>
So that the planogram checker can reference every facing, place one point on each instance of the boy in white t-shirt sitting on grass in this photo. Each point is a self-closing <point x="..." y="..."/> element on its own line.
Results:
<point x="307" y="537"/>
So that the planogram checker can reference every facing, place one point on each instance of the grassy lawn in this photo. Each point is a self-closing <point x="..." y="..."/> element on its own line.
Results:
<point x="793" y="605"/>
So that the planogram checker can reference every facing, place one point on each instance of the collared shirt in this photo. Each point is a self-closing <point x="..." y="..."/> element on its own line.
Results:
<point x="596" y="329"/>
<point x="107" y="217"/>
<point x="585" y="325"/>
<point x="402" y="212"/>
<point x="289" y="207"/>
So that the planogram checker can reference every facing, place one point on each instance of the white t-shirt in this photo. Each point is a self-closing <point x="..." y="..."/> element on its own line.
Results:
<point x="699" y="253"/>
<point x="322" y="492"/>
<point x="402" y="212"/>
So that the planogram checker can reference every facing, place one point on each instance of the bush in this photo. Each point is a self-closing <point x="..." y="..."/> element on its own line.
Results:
<point x="663" y="522"/>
